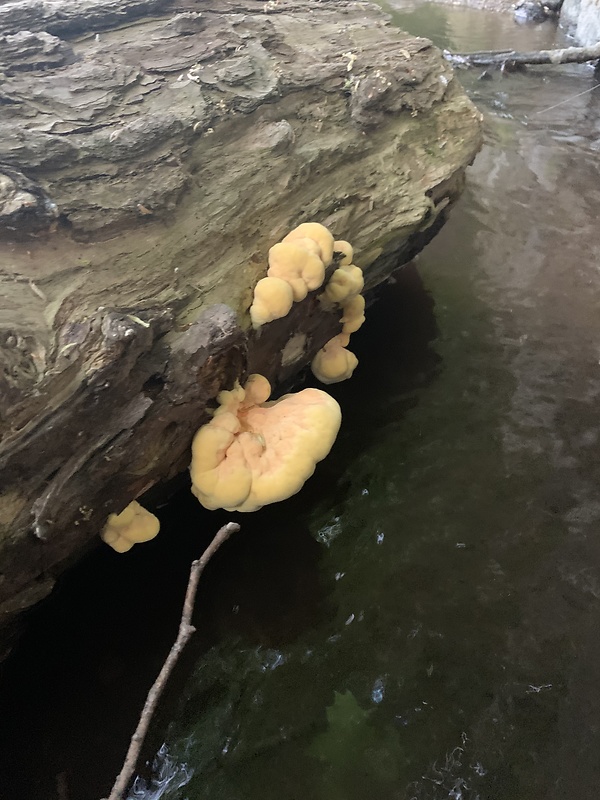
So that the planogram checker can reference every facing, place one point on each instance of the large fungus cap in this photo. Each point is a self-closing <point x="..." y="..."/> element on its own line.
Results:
<point x="301" y="268"/>
<point x="133" y="525"/>
<point x="271" y="454"/>
<point x="333" y="363"/>
<point x="319" y="234"/>
<point x="273" y="298"/>
<point x="345" y="283"/>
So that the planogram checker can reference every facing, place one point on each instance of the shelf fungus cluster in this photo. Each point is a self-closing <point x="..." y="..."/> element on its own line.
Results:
<point x="255" y="452"/>
<point x="334" y="363"/>
<point x="297" y="266"/>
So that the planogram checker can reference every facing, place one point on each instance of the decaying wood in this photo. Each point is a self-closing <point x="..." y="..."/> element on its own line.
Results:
<point x="186" y="629"/>
<point x="151" y="151"/>
<point x="499" y="58"/>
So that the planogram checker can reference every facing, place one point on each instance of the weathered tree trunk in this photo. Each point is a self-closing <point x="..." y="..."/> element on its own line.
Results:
<point x="151" y="151"/>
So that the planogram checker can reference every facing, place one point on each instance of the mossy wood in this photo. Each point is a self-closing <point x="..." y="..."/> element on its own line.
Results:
<point x="151" y="152"/>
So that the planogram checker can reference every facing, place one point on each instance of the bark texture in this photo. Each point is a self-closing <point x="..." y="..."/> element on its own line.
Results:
<point x="151" y="151"/>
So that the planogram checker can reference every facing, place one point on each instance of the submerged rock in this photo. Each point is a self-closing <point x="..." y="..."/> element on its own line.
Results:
<point x="146" y="171"/>
<point x="530" y="11"/>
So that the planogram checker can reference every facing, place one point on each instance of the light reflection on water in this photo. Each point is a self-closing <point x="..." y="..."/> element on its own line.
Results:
<point x="437" y="637"/>
<point x="168" y="777"/>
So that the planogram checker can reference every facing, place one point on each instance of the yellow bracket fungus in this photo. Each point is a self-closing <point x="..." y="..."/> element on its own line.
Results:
<point x="307" y="244"/>
<point x="347" y="251"/>
<point x="354" y="314"/>
<point x="345" y="283"/>
<point x="273" y="298"/>
<point x="254" y="452"/>
<point x="302" y="269"/>
<point x="319" y="234"/>
<point x="133" y="525"/>
<point x="333" y="363"/>
<point x="299" y="262"/>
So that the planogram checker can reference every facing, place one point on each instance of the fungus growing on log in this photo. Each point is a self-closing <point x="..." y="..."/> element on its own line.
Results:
<point x="254" y="452"/>
<point x="133" y="525"/>
<point x="273" y="298"/>
<point x="345" y="283"/>
<point x="333" y="363"/>
<point x="302" y="269"/>
<point x="347" y="251"/>
<point x="354" y="314"/>
<point x="319" y="234"/>
<point x="296" y="267"/>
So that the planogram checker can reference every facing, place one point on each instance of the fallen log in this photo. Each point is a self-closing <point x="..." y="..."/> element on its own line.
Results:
<point x="500" y="58"/>
<point x="150" y="154"/>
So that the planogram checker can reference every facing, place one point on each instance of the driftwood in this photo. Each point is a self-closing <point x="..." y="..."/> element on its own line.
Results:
<point x="501" y="58"/>
<point x="186" y="629"/>
<point x="151" y="151"/>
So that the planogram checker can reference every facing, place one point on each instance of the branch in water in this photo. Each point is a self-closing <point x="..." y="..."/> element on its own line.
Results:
<point x="185" y="631"/>
<point x="484" y="58"/>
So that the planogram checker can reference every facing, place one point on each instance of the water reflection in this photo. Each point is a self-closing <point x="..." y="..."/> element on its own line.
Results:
<point x="460" y="29"/>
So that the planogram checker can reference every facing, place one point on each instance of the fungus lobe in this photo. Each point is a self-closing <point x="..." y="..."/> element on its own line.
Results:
<point x="133" y="525"/>
<point x="253" y="452"/>
<point x="333" y="363"/>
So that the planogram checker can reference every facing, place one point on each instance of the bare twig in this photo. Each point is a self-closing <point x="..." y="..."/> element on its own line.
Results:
<point x="565" y="55"/>
<point x="185" y="631"/>
<point x="62" y="786"/>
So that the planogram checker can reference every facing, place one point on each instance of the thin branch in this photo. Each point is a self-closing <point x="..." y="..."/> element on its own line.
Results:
<point x="565" y="55"/>
<point x="185" y="631"/>
<point x="62" y="786"/>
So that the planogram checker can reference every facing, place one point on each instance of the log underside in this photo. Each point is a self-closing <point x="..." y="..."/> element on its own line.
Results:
<point x="151" y="151"/>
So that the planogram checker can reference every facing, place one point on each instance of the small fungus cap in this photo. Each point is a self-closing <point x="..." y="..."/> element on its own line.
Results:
<point x="273" y="298"/>
<point x="345" y="283"/>
<point x="333" y="363"/>
<point x="257" y="389"/>
<point x="347" y="251"/>
<point x="272" y="454"/>
<point x="133" y="525"/>
<point x="354" y="314"/>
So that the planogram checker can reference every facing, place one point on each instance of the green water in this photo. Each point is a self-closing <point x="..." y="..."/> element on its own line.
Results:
<point x="422" y="621"/>
<point x="449" y="641"/>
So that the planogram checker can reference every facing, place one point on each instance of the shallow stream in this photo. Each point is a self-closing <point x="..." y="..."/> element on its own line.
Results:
<point x="423" y="620"/>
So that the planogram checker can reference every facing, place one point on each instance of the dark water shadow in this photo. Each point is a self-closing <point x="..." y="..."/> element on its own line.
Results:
<point x="72" y="690"/>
